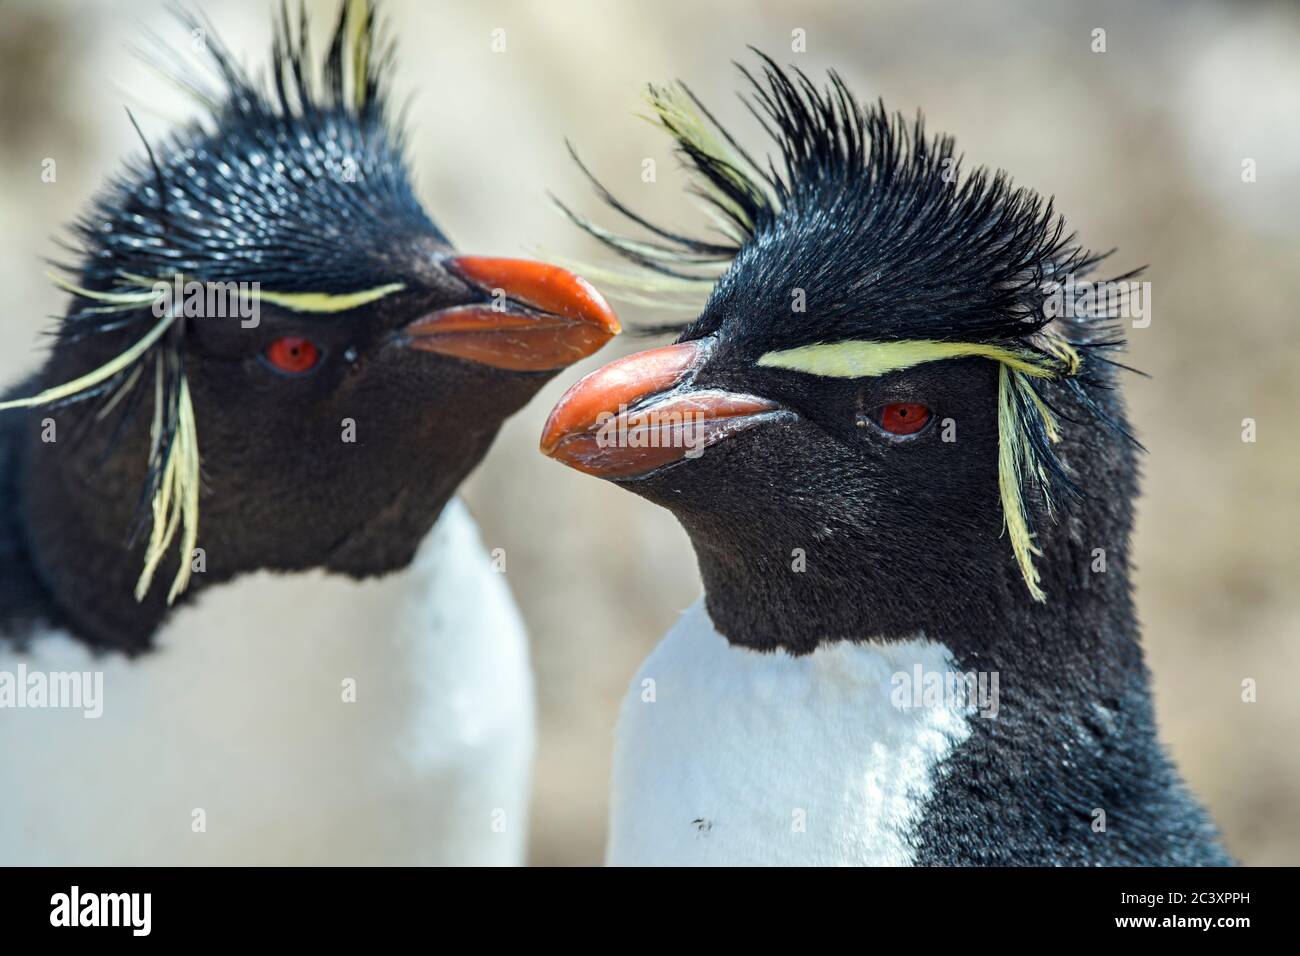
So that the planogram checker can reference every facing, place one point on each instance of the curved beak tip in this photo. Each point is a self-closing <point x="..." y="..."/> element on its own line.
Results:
<point x="622" y="382"/>
<point x="639" y="413"/>
<point x="540" y="317"/>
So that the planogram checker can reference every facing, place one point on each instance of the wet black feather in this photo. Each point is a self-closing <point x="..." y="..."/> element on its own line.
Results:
<point x="874" y="220"/>
<point x="284" y="183"/>
<point x="294" y="184"/>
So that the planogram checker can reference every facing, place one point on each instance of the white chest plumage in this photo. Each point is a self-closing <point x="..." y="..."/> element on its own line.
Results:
<point x="726" y="756"/>
<point x="291" y="719"/>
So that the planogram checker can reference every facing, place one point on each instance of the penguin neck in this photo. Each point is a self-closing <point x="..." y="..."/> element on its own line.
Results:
<point x="26" y="604"/>
<point x="66" y="559"/>
<point x="980" y="611"/>
<point x="72" y="490"/>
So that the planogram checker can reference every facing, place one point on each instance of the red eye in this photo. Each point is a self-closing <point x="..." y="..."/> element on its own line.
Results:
<point x="292" y="354"/>
<point x="904" y="418"/>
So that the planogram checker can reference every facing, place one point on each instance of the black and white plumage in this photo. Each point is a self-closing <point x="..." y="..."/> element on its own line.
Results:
<point x="249" y="193"/>
<point x="895" y="462"/>
<point x="247" y="522"/>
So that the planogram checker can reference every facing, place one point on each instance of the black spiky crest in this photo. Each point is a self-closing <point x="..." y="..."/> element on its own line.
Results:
<point x="892" y="245"/>
<point x="297" y="186"/>
<point x="292" y="179"/>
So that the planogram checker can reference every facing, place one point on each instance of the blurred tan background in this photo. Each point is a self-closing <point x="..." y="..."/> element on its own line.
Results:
<point x="1142" y="145"/>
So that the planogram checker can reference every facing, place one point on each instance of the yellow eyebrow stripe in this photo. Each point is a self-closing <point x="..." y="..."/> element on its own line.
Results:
<point x="861" y="359"/>
<point x="294" y="301"/>
<point x="326" y="301"/>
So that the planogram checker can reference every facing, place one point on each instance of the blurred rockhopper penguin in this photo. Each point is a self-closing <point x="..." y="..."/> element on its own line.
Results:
<point x="898" y="470"/>
<point x="377" y="710"/>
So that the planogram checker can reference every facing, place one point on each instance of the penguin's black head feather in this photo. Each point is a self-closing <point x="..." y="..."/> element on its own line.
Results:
<point x="298" y="183"/>
<point x="926" y="422"/>
<point x="269" y="331"/>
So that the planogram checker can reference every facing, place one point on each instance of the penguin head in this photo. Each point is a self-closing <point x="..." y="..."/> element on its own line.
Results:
<point x="270" y="333"/>
<point x="877" y="424"/>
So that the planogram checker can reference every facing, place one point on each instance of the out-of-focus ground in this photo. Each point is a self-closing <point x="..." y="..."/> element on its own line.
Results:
<point x="1142" y="145"/>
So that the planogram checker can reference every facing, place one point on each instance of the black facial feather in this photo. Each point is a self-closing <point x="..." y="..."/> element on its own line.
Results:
<point x="867" y="215"/>
<point x="295" y="185"/>
<point x="871" y="224"/>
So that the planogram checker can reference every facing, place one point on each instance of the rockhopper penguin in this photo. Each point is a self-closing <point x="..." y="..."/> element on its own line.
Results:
<point x="373" y="706"/>
<point x="898" y="465"/>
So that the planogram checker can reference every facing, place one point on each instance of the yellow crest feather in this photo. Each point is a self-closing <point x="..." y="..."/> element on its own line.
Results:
<point x="1011" y="453"/>
<point x="677" y="112"/>
<point x="175" y="504"/>
<point x="866" y="359"/>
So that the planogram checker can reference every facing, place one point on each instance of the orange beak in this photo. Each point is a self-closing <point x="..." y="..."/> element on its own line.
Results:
<point x="541" y="317"/>
<point x="641" y="413"/>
